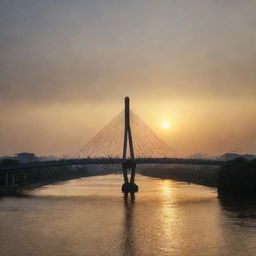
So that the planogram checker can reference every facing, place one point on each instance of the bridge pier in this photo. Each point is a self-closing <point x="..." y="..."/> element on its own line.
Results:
<point x="13" y="179"/>
<point x="125" y="175"/>
<point x="6" y="179"/>
<point x="133" y="174"/>
<point x="10" y="179"/>
<point x="128" y="187"/>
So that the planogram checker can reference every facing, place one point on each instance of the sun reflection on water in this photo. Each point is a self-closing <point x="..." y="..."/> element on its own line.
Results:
<point x="166" y="188"/>
<point x="169" y="219"/>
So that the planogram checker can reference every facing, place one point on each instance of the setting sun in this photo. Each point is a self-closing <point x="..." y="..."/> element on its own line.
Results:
<point x="166" y="125"/>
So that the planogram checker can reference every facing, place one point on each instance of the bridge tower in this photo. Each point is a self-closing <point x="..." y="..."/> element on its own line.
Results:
<point x="128" y="186"/>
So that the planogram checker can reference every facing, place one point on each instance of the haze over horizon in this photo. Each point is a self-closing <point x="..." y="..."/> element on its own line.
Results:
<point x="65" y="68"/>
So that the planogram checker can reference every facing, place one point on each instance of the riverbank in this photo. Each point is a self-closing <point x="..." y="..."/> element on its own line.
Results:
<point x="41" y="177"/>
<point x="17" y="189"/>
<point x="237" y="179"/>
<point x="206" y="175"/>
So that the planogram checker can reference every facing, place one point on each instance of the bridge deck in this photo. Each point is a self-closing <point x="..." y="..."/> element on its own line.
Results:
<point x="87" y="161"/>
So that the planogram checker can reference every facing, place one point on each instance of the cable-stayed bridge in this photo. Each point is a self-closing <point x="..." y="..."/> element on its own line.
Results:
<point x="127" y="141"/>
<point x="109" y="141"/>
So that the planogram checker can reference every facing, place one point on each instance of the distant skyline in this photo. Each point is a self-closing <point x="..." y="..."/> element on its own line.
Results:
<point x="66" y="66"/>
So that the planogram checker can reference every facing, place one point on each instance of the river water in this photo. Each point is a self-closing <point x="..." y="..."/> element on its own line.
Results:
<point x="89" y="216"/>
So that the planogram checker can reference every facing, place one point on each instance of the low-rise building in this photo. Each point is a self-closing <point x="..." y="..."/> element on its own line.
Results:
<point x="26" y="157"/>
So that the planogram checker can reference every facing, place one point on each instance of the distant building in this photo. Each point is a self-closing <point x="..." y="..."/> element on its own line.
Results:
<point x="26" y="157"/>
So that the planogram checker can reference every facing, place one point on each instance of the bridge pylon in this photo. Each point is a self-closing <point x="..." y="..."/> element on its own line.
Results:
<point x="128" y="186"/>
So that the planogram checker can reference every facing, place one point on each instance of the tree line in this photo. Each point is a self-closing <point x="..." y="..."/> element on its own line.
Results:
<point x="25" y="177"/>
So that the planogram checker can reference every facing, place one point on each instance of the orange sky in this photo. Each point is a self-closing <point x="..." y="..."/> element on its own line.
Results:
<point x="65" y="69"/>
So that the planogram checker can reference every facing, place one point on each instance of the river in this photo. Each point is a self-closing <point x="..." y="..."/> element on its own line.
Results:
<point x="89" y="216"/>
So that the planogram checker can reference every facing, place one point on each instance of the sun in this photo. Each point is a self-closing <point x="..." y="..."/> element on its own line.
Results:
<point x="166" y="125"/>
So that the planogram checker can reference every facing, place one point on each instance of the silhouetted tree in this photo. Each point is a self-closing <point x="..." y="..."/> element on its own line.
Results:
<point x="237" y="178"/>
<point x="8" y="162"/>
<point x="203" y="175"/>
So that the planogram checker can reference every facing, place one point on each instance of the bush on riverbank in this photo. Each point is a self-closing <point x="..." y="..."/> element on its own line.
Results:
<point x="8" y="162"/>
<point x="237" y="178"/>
<point x="39" y="175"/>
<point x="52" y="174"/>
<point x="203" y="175"/>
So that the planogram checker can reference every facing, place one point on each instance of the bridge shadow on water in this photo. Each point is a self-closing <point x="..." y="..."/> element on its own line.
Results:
<point x="129" y="247"/>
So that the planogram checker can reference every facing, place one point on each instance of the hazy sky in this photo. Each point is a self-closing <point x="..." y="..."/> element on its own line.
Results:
<point x="65" y="67"/>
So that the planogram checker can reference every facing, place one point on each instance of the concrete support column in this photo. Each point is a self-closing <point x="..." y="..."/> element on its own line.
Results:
<point x="13" y="179"/>
<point x="6" y="178"/>
<point x="125" y="175"/>
<point x="133" y="173"/>
<point x="24" y="178"/>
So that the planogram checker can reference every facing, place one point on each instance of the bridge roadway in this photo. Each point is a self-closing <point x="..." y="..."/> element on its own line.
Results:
<point x="86" y="161"/>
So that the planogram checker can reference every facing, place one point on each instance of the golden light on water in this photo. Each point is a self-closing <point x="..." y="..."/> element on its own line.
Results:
<point x="166" y="188"/>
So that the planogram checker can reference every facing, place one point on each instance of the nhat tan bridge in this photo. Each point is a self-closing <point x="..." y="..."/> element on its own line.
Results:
<point x="143" y="148"/>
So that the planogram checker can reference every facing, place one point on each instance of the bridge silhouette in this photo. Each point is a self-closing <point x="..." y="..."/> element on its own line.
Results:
<point x="127" y="141"/>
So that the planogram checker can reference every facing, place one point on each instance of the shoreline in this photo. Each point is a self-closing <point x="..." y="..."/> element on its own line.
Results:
<point x="180" y="180"/>
<point x="17" y="190"/>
